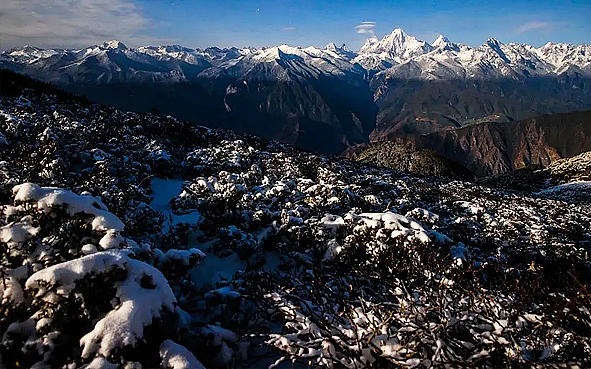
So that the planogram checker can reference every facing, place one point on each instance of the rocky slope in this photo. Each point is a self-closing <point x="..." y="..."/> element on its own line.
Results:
<point x="495" y="147"/>
<point x="165" y="244"/>
<point x="564" y="178"/>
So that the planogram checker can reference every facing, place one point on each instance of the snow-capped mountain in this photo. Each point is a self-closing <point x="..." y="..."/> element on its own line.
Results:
<point x="342" y="51"/>
<point x="185" y="54"/>
<point x="109" y="62"/>
<point x="565" y="56"/>
<point x="491" y="60"/>
<point x="113" y="61"/>
<point x="397" y="55"/>
<point x="444" y="43"/>
<point x="395" y="48"/>
<point x="402" y="56"/>
<point x="325" y="99"/>
<point x="283" y="63"/>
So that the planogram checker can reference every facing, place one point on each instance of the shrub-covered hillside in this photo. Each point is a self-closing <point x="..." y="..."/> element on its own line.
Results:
<point x="136" y="241"/>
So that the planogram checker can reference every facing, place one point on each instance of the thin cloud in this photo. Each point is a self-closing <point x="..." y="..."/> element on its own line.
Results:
<point x="288" y="29"/>
<point x="532" y="26"/>
<point x="367" y="27"/>
<point x="66" y="23"/>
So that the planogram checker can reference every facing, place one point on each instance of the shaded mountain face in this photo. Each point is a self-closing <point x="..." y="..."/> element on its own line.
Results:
<point x="325" y="99"/>
<point x="494" y="148"/>
<point x="326" y="115"/>
<point x="419" y="107"/>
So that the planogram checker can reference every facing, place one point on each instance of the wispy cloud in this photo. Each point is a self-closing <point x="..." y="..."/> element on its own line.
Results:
<point x="532" y="26"/>
<point x="288" y="29"/>
<point x="69" y="23"/>
<point x="367" y="27"/>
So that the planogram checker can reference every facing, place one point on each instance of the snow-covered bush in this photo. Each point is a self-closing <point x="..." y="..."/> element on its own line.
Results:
<point x="74" y="291"/>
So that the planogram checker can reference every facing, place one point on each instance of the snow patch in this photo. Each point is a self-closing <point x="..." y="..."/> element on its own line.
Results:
<point x="175" y="356"/>
<point x="163" y="191"/>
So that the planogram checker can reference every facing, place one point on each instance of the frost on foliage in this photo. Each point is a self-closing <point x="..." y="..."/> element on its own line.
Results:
<point x="182" y="257"/>
<point x="48" y="198"/>
<point x="400" y="225"/>
<point x="64" y="292"/>
<point x="101" y="363"/>
<point x="10" y="288"/>
<point x="142" y="295"/>
<point x="16" y="233"/>
<point x="311" y="259"/>
<point x="312" y="342"/>
<point x="221" y="338"/>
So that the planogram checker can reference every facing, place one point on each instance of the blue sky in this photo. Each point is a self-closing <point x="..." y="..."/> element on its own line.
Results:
<point x="78" y="23"/>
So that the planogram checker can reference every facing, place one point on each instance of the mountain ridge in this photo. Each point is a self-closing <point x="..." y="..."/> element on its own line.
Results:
<point x="389" y="55"/>
<point x="325" y="99"/>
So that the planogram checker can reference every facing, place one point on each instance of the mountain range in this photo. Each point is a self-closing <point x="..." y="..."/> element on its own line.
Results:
<point x="396" y="55"/>
<point x="325" y="99"/>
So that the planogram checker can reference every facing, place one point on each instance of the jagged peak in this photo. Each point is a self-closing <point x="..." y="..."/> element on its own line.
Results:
<point x="397" y="44"/>
<point x="337" y="49"/>
<point x="277" y="52"/>
<point x="176" y="48"/>
<point x="25" y="48"/>
<point x="398" y="32"/>
<point x="331" y="46"/>
<point x="397" y="36"/>
<point x="441" y="41"/>
<point x="493" y="42"/>
<point x="551" y="44"/>
<point x="369" y="42"/>
<point x="113" y="44"/>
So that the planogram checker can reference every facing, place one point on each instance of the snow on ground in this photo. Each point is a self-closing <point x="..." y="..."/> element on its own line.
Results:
<point x="139" y="305"/>
<point x="571" y="191"/>
<point x="214" y="269"/>
<point x="163" y="191"/>
<point x="47" y="197"/>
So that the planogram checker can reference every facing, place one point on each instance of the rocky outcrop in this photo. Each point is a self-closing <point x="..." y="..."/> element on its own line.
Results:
<point x="421" y="162"/>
